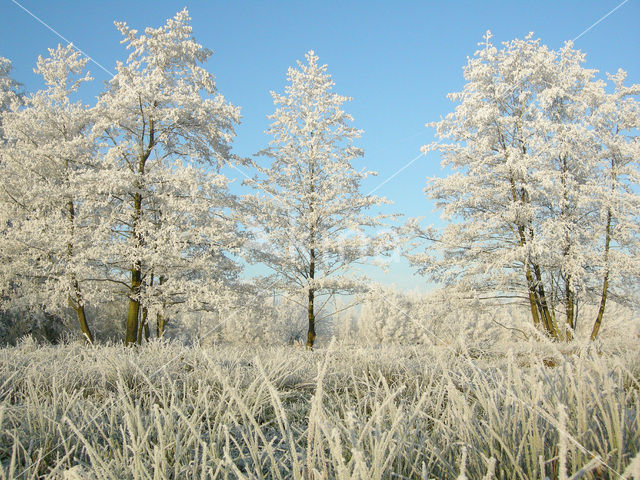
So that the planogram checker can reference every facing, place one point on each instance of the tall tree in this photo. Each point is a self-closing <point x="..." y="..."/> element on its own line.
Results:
<point x="46" y="160"/>
<point x="615" y="125"/>
<point x="525" y="155"/>
<point x="166" y="132"/>
<point x="309" y="203"/>
<point x="9" y="94"/>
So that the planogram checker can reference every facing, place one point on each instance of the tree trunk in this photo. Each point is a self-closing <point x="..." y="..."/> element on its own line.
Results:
<point x="603" y="302"/>
<point x="78" y="307"/>
<point x="134" y="305"/>
<point x="84" y="326"/>
<point x="160" y="324"/>
<point x="142" y="325"/>
<point x="547" y="317"/>
<point x="570" y="309"/>
<point x="533" y="299"/>
<point x="568" y="290"/>
<point x="605" y="283"/>
<point x="537" y="298"/>
<point x="311" y="334"/>
<point x="133" y="314"/>
<point x="76" y="303"/>
<point x="161" y="321"/>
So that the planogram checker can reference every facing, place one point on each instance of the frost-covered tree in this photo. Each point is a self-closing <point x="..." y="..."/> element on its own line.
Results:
<point x="615" y="124"/>
<point x="51" y="230"/>
<point x="527" y="150"/>
<point x="166" y="131"/>
<point x="309" y="204"/>
<point x="9" y="89"/>
<point x="9" y="95"/>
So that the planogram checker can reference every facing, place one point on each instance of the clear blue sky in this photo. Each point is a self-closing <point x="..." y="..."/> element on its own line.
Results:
<point x="397" y="59"/>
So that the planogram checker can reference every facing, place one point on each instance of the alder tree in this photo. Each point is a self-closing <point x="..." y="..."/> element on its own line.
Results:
<point x="165" y="133"/>
<point x="48" y="159"/>
<point x="541" y="192"/>
<point x="309" y="212"/>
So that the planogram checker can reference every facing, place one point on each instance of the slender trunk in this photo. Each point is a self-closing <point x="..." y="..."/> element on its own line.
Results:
<point x="537" y="299"/>
<point x="134" y="305"/>
<point x="533" y="299"/>
<point x="136" y="279"/>
<point x="569" y="294"/>
<point x="76" y="303"/>
<point x="605" y="283"/>
<point x="133" y="314"/>
<point x="160" y="324"/>
<point x="84" y="326"/>
<point x="603" y="302"/>
<point x="570" y="309"/>
<point x="161" y="321"/>
<point x="78" y="307"/>
<point x="547" y="316"/>
<point x="535" y="303"/>
<point x="311" y="334"/>
<point x="142" y="325"/>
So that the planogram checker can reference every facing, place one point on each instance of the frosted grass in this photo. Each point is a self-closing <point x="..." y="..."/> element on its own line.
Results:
<point x="347" y="412"/>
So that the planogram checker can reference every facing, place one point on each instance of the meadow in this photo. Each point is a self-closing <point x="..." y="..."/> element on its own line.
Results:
<point x="518" y="410"/>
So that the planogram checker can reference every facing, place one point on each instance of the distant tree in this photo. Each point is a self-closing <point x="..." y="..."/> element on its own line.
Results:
<point x="166" y="132"/>
<point x="45" y="194"/>
<point x="309" y="203"/>
<point x="530" y="151"/>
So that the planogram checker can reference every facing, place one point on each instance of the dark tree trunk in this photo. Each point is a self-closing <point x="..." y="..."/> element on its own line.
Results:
<point x="311" y="334"/>
<point x="131" y="335"/>
<point x="76" y="302"/>
<point x="143" y="325"/>
<point x="605" y="282"/>
<point x="82" y="320"/>
<point x="160" y="324"/>
<point x="134" y="306"/>
<point x="547" y="316"/>
<point x="570" y="309"/>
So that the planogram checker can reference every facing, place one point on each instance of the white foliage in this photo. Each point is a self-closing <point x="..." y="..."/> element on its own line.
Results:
<point x="46" y="197"/>
<point x="9" y="94"/>
<point x="309" y="214"/>
<point x="541" y="172"/>
<point x="165" y="133"/>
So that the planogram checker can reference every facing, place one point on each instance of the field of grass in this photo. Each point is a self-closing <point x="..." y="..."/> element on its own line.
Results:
<point x="163" y="410"/>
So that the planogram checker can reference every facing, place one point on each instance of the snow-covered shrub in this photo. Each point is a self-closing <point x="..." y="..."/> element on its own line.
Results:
<point x="249" y="320"/>
<point x="388" y="315"/>
<point x="41" y="326"/>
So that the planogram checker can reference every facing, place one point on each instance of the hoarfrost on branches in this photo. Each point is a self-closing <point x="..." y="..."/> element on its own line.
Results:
<point x="542" y="192"/>
<point x="46" y="189"/>
<point x="309" y="207"/>
<point x="165" y="133"/>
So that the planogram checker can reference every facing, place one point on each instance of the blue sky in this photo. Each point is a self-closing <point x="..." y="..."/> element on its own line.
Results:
<point x="398" y="60"/>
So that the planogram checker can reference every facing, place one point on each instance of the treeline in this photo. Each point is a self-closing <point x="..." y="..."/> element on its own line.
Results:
<point x="123" y="206"/>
